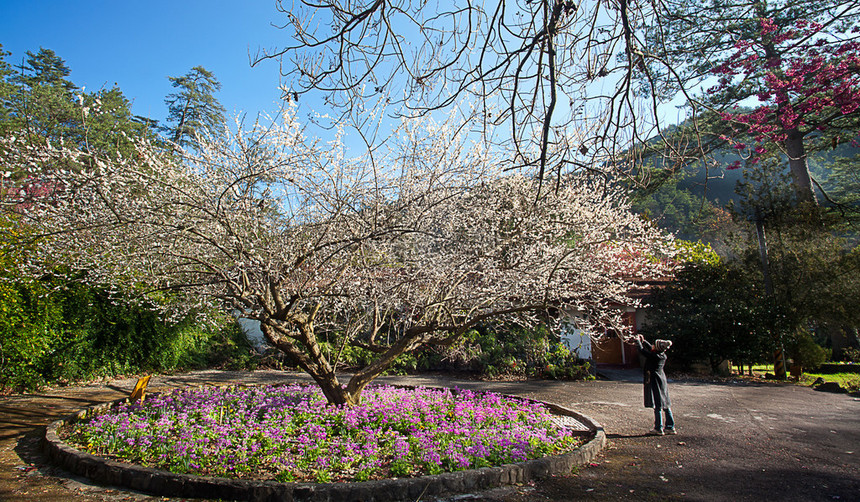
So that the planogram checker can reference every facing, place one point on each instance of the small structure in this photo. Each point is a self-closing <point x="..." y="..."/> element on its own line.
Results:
<point x="139" y="391"/>
<point x="611" y="349"/>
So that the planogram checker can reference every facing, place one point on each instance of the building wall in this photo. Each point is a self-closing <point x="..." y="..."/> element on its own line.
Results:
<point x="611" y="349"/>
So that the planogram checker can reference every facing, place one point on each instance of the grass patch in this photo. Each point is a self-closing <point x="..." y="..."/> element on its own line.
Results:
<point x="850" y="381"/>
<point x="763" y="368"/>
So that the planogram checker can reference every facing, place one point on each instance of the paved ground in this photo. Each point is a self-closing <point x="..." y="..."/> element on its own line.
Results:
<point x="737" y="441"/>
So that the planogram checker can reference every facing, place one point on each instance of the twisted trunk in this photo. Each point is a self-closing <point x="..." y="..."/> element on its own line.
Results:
<point x="309" y="358"/>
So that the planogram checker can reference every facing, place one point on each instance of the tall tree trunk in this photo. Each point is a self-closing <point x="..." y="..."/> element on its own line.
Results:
<point x="794" y="147"/>
<point x="799" y="168"/>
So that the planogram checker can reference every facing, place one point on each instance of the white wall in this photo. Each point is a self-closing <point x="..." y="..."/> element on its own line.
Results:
<point x="574" y="338"/>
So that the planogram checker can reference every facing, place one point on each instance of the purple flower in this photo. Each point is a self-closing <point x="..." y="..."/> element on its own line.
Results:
<point x="289" y="431"/>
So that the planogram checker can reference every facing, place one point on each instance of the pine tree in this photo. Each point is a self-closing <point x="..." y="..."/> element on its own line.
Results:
<point x="6" y="89"/>
<point x="194" y="109"/>
<point x="43" y="101"/>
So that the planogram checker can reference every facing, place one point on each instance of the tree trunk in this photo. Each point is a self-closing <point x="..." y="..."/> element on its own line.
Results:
<point x="367" y="374"/>
<point x="797" y="165"/>
<point x="311" y="362"/>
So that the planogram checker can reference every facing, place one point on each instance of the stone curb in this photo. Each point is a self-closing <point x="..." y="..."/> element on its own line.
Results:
<point x="164" y="483"/>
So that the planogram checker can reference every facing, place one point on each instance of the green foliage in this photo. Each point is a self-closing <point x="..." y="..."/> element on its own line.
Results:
<point x="848" y="381"/>
<point x="667" y="200"/>
<point x="696" y="253"/>
<point x="28" y="342"/>
<point x="815" y="271"/>
<point x="851" y="354"/>
<point x="6" y="89"/>
<point x="843" y="182"/>
<point x="804" y="351"/>
<point x="40" y="103"/>
<point x="503" y="350"/>
<point x="713" y="312"/>
<point x="194" y="109"/>
<point x="352" y="357"/>
<point x="55" y="330"/>
<point x="490" y="351"/>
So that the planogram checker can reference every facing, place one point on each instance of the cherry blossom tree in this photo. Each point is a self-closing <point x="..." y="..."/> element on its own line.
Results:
<point x="388" y="251"/>
<point x="806" y="82"/>
<point x="758" y="75"/>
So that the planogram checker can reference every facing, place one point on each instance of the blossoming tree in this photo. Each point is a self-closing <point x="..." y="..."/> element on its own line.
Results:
<point x="777" y="76"/>
<point x="387" y="252"/>
<point x="807" y="83"/>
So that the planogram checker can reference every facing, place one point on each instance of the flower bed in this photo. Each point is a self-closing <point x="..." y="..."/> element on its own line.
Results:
<point x="288" y="433"/>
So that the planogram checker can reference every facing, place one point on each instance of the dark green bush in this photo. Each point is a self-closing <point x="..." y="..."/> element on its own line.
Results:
<point x="54" y="330"/>
<point x="713" y="312"/>
<point x="804" y="351"/>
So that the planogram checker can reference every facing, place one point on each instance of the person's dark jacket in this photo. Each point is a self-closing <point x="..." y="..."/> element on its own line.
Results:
<point x="656" y="388"/>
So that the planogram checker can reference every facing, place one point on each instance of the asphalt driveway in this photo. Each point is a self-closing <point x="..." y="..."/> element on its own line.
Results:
<point x="736" y="441"/>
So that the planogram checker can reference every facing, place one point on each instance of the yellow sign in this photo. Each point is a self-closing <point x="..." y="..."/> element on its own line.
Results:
<point x="140" y="388"/>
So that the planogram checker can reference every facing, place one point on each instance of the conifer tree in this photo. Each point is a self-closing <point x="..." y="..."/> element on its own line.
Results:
<point x="193" y="109"/>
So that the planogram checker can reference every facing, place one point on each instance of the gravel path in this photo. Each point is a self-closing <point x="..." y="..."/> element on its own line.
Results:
<point x="737" y="441"/>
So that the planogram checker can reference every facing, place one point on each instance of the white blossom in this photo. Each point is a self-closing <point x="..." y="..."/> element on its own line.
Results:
<point x="407" y="247"/>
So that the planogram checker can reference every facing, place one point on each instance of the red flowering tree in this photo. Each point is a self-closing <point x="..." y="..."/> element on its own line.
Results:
<point x="777" y="76"/>
<point x="807" y="83"/>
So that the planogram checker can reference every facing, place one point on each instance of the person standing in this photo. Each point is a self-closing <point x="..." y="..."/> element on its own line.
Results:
<point x="656" y="387"/>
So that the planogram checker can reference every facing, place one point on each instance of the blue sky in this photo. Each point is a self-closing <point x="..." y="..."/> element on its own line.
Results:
<point x="137" y="45"/>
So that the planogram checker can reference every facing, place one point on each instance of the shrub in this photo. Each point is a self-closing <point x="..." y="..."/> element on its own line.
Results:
<point x="713" y="312"/>
<point x="851" y="354"/>
<point x="491" y="351"/>
<point x="805" y="352"/>
<point x="56" y="331"/>
<point x="504" y="350"/>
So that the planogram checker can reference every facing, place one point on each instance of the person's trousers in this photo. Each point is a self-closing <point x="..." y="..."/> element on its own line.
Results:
<point x="658" y="419"/>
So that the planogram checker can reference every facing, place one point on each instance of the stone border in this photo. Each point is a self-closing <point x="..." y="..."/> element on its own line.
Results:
<point x="164" y="483"/>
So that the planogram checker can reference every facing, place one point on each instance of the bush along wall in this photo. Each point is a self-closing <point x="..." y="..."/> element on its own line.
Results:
<point x="53" y="332"/>
<point x="490" y="351"/>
